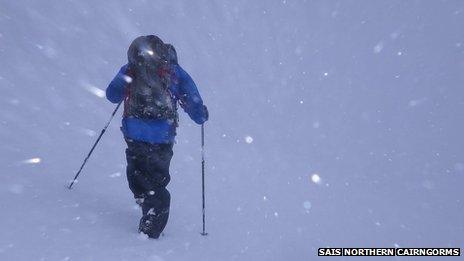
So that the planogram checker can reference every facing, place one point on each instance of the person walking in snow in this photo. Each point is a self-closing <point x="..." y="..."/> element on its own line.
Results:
<point x="151" y="85"/>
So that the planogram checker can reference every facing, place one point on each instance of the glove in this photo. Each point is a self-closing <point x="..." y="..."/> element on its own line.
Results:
<point x="205" y="113"/>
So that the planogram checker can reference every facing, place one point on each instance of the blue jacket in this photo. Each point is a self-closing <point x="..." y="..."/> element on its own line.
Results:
<point x="184" y="91"/>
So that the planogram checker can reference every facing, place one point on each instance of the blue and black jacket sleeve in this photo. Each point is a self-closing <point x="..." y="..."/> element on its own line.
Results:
<point x="115" y="90"/>
<point x="189" y="97"/>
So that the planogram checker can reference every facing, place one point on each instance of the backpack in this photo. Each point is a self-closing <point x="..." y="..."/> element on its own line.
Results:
<point x="150" y="67"/>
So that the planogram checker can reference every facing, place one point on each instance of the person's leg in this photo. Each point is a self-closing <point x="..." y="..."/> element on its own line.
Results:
<point x="155" y="208"/>
<point x="156" y="213"/>
<point x="134" y="156"/>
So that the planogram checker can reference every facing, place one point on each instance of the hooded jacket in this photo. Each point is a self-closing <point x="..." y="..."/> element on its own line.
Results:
<point x="184" y="92"/>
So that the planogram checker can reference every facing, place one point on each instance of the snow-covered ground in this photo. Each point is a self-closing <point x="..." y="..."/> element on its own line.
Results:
<point x="333" y="123"/>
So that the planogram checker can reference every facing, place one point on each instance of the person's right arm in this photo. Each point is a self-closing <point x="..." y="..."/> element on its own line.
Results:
<point x="115" y="90"/>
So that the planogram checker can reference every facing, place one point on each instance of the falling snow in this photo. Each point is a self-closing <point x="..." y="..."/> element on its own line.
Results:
<point x="115" y="175"/>
<point x="128" y="79"/>
<point x="32" y="161"/>
<point x="307" y="205"/>
<point x="95" y="91"/>
<point x="378" y="47"/>
<point x="315" y="178"/>
<point x="368" y="99"/>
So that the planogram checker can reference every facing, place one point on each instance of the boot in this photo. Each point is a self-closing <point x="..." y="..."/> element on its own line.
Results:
<point x="148" y="225"/>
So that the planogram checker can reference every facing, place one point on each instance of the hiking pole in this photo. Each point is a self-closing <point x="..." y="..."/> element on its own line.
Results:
<point x="94" y="145"/>
<point x="203" y="175"/>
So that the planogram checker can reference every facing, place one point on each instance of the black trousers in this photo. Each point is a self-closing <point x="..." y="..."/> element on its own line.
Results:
<point x="148" y="176"/>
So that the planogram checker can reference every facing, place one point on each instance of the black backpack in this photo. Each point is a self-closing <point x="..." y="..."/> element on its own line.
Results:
<point x="150" y="67"/>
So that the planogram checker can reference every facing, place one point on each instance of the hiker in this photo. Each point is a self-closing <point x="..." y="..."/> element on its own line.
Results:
<point x="151" y="85"/>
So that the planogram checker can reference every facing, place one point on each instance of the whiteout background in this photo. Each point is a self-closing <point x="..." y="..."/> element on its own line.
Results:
<point x="368" y="95"/>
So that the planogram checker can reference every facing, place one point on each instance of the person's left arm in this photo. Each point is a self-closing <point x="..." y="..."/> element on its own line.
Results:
<point x="189" y="97"/>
